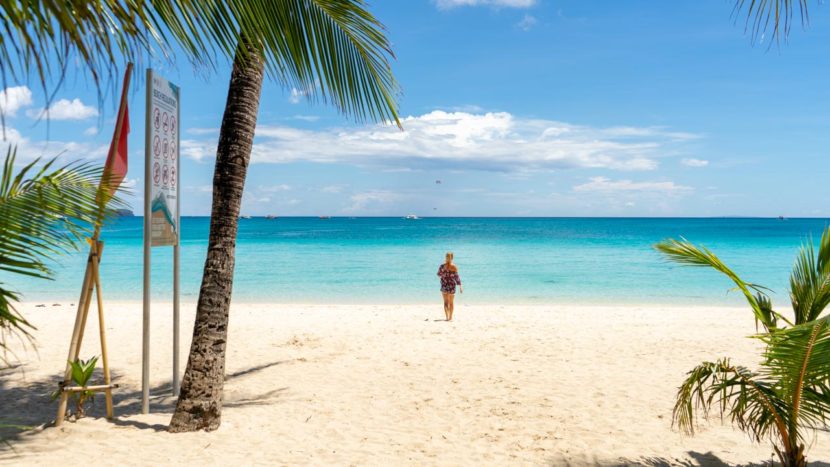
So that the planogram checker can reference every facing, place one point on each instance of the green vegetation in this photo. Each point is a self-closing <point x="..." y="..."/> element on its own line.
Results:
<point x="81" y="374"/>
<point x="44" y="211"/>
<point x="789" y="395"/>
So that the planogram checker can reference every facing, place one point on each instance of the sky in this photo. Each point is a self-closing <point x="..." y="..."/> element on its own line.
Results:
<point x="518" y="108"/>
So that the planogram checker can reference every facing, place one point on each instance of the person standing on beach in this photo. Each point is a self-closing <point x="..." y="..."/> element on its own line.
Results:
<point x="448" y="273"/>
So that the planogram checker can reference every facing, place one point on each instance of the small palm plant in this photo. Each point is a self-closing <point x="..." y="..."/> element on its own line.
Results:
<point x="44" y="211"/>
<point x="81" y="374"/>
<point x="789" y="395"/>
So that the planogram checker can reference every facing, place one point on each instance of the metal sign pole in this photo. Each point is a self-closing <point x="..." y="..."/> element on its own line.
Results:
<point x="145" y="327"/>
<point x="176" y="251"/>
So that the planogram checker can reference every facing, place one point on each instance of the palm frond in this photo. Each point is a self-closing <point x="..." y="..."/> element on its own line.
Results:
<point x="684" y="252"/>
<point x="810" y="280"/>
<point x="332" y="50"/>
<point x="775" y="15"/>
<point x="798" y="358"/>
<point x="44" y="211"/>
<point x="734" y="391"/>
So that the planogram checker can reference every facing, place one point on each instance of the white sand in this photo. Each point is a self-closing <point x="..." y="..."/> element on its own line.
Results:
<point x="389" y="385"/>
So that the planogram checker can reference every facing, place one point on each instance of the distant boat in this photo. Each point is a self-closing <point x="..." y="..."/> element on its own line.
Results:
<point x="780" y="218"/>
<point x="325" y="217"/>
<point x="412" y="217"/>
<point x="270" y="216"/>
<point x="244" y="217"/>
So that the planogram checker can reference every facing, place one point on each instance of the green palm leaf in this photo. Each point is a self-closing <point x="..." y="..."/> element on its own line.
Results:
<point x="750" y="403"/>
<point x="774" y="15"/>
<point x="684" y="252"/>
<point x="798" y="359"/>
<point x="331" y="50"/>
<point x="44" y="211"/>
<point x="810" y="280"/>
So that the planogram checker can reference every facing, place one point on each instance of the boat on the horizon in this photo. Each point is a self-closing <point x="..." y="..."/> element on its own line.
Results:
<point x="325" y="217"/>
<point x="244" y="217"/>
<point x="270" y="216"/>
<point x="412" y="217"/>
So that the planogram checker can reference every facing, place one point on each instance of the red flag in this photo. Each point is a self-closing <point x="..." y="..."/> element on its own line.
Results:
<point x="116" y="167"/>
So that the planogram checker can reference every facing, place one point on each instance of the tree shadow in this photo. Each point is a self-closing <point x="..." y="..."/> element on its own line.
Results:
<point x="707" y="459"/>
<point x="28" y="404"/>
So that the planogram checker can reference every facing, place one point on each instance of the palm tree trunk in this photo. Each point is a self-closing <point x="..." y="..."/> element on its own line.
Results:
<point x="200" y="401"/>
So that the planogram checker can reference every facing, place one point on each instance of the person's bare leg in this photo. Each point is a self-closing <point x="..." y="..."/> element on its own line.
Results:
<point x="451" y="307"/>
<point x="446" y="306"/>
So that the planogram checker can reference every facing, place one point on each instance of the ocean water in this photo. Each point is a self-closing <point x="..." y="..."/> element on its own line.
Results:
<point x="502" y="260"/>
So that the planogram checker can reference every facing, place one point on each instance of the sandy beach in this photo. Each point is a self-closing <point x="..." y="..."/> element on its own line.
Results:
<point x="392" y="385"/>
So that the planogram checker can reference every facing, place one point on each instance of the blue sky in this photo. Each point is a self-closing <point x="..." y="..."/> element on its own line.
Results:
<point x="520" y="108"/>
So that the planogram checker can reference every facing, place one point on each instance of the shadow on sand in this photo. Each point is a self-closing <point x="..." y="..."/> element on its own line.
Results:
<point x="700" y="459"/>
<point x="27" y="404"/>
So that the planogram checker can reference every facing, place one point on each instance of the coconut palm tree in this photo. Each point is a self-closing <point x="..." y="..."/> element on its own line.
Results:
<point x="330" y="50"/>
<point x="44" y="210"/>
<point x="789" y="395"/>
<point x="335" y="49"/>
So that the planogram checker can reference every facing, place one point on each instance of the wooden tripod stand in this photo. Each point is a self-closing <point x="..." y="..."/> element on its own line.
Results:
<point x="92" y="281"/>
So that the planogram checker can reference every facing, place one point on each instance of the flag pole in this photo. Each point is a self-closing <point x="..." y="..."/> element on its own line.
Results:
<point x="91" y="277"/>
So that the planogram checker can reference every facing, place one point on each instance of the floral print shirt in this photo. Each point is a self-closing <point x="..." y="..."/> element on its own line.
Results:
<point x="449" y="279"/>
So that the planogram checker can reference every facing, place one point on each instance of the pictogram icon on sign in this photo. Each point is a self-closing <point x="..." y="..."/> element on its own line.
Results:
<point x="165" y="147"/>
<point x="172" y="125"/>
<point x="156" y="147"/>
<point x="165" y="176"/>
<point x="165" y="122"/>
<point x="156" y="173"/>
<point x="173" y="176"/>
<point x="156" y="118"/>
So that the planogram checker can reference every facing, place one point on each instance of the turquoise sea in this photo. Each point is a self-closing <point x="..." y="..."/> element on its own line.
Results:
<point x="503" y="260"/>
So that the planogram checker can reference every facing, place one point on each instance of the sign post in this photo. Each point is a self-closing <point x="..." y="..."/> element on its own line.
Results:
<point x="161" y="208"/>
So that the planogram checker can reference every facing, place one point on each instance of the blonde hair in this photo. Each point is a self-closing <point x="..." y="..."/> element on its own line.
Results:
<point x="448" y="262"/>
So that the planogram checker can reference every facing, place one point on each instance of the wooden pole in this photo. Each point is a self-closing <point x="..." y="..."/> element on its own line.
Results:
<point x="73" y="344"/>
<point x="92" y="279"/>
<point x="101" y="329"/>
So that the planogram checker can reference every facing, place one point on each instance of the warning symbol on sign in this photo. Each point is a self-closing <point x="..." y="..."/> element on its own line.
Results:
<point x="173" y="176"/>
<point x="156" y="173"/>
<point x="165" y="122"/>
<point x="165" y="176"/>
<point x="156" y="147"/>
<point x="156" y="118"/>
<point x="172" y="125"/>
<point x="165" y="147"/>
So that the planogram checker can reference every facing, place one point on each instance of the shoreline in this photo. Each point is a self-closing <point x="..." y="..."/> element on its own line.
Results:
<point x="355" y="384"/>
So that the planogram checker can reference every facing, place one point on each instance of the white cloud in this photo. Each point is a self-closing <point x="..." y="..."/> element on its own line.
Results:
<point x="13" y="99"/>
<point x="527" y="23"/>
<point x="370" y="200"/>
<point x="333" y="188"/>
<point x="306" y="118"/>
<point x="197" y="150"/>
<point x="91" y="131"/>
<point x="447" y="4"/>
<point x="608" y="186"/>
<point x="496" y="141"/>
<point x="695" y="162"/>
<point x="28" y="150"/>
<point x="65" y="109"/>
<point x="275" y="188"/>
<point x="130" y="182"/>
<point x="296" y="96"/>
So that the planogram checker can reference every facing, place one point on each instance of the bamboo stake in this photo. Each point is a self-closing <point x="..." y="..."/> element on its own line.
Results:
<point x="101" y="329"/>
<point x="74" y="344"/>
<point x="88" y="299"/>
<point x="92" y="280"/>
<point x="99" y="387"/>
